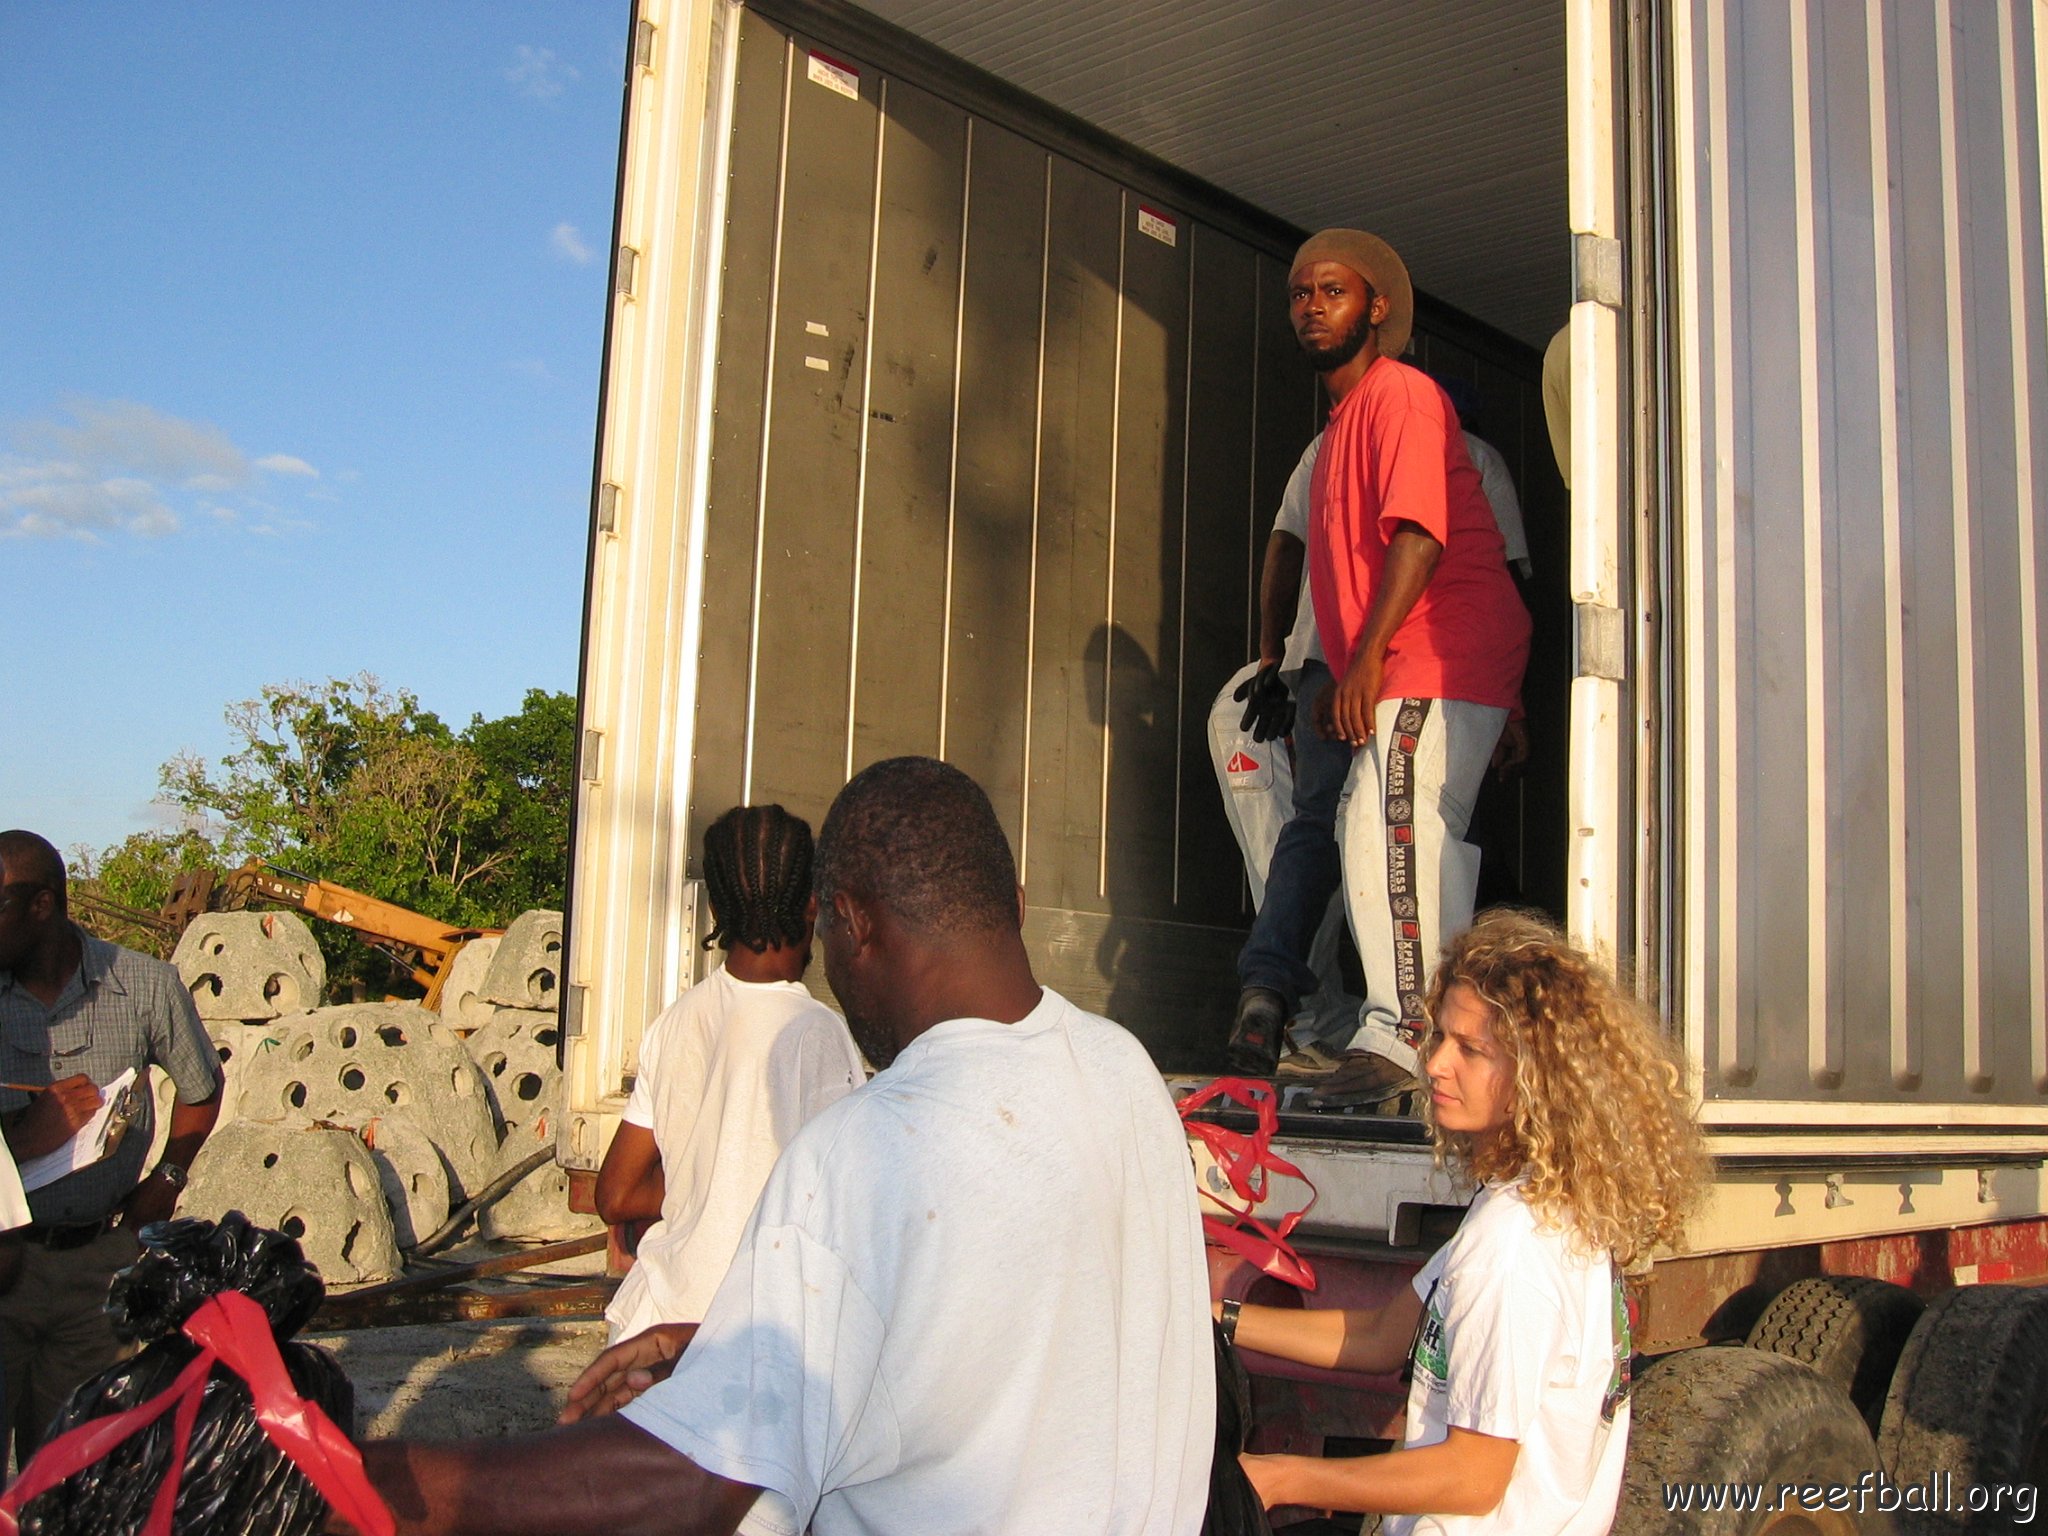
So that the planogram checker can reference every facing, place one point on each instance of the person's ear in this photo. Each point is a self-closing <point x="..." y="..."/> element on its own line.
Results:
<point x="811" y="910"/>
<point x="855" y="916"/>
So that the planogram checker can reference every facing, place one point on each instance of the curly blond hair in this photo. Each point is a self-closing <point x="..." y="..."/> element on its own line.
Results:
<point x="1601" y="1125"/>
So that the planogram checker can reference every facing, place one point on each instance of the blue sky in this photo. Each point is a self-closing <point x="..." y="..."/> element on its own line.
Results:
<point x="301" y="313"/>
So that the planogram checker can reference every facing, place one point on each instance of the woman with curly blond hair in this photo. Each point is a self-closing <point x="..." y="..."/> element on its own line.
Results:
<point x="1552" y="1090"/>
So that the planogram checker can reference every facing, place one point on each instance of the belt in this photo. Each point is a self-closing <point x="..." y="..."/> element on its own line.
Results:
<point x="57" y="1237"/>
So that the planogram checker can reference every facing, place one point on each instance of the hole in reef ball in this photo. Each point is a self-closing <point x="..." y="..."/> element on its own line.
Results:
<point x="398" y="1093"/>
<point x="295" y="1095"/>
<point x="352" y="1077"/>
<point x="293" y="1226"/>
<point x="527" y="1086"/>
<point x="270" y="1159"/>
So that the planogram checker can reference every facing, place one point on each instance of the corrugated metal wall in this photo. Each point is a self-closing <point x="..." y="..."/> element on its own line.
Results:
<point x="992" y="469"/>
<point x="1859" y="250"/>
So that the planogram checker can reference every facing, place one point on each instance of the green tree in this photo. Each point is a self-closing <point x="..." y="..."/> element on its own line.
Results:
<point x="351" y="782"/>
<point x="530" y="760"/>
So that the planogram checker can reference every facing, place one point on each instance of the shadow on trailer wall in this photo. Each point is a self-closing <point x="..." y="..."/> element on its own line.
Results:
<point x="1000" y="431"/>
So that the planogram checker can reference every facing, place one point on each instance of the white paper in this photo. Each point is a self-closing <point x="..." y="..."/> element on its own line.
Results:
<point x="13" y="1198"/>
<point x="86" y="1147"/>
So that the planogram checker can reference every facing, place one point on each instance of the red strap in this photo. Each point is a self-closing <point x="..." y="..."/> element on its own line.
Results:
<point x="232" y="1330"/>
<point x="235" y="1328"/>
<point x="1246" y="1162"/>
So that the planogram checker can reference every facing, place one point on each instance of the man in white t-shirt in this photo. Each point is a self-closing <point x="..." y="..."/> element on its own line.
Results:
<point x="728" y="1074"/>
<point x="973" y="1295"/>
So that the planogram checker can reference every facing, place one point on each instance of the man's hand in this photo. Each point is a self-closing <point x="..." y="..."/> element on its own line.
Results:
<point x="1268" y="706"/>
<point x="1345" y="711"/>
<point x="54" y="1117"/>
<point x="626" y="1370"/>
<point x="1511" y="752"/>
<point x="154" y="1199"/>
<point x="1269" y="1477"/>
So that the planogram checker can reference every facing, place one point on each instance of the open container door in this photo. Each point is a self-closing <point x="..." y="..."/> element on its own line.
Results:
<point x="1601" y="862"/>
<point x="1862" y="373"/>
<point x="631" y="922"/>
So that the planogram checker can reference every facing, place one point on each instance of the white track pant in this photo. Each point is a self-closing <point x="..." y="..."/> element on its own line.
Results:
<point x="1257" y="781"/>
<point x="1409" y="875"/>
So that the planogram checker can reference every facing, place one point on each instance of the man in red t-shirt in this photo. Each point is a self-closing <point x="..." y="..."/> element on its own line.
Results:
<point x="1425" y="634"/>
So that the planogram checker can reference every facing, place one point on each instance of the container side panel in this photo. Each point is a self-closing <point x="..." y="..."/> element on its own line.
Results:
<point x="1218" y="592"/>
<point x="1076" y="472"/>
<point x="1140" y="637"/>
<point x="1861" y="255"/>
<point x="1850" y="460"/>
<point x="718" y="772"/>
<point x="989" y="658"/>
<point x="1990" y="339"/>
<point x="906" y="489"/>
<point x="811" y="470"/>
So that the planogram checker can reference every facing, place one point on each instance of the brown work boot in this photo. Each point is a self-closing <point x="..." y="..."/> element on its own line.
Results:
<point x="1365" y="1079"/>
<point x="1255" y="1034"/>
<point x="1308" y="1063"/>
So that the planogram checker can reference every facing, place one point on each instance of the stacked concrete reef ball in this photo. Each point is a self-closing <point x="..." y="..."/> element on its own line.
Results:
<point x="462" y="1005"/>
<point x="364" y="1061"/>
<point x="526" y="968"/>
<point x="317" y="1184"/>
<point x="244" y="966"/>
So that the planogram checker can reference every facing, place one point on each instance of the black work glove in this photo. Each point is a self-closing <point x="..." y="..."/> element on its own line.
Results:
<point x="1268" y="706"/>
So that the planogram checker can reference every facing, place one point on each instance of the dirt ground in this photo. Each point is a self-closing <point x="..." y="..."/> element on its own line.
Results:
<point x="459" y="1380"/>
<point x="439" y="1381"/>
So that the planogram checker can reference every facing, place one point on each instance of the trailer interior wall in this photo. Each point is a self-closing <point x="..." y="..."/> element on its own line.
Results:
<point x="998" y="439"/>
<point x="1864" y="375"/>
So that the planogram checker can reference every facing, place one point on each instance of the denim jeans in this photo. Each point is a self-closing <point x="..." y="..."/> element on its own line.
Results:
<point x="1306" y="869"/>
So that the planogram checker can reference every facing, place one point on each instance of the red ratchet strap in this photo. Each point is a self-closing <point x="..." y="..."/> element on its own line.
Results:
<point x="1246" y="1161"/>
<point x="233" y="1330"/>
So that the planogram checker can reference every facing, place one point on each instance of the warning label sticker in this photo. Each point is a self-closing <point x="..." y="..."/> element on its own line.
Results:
<point x="1160" y="226"/>
<point x="835" y="76"/>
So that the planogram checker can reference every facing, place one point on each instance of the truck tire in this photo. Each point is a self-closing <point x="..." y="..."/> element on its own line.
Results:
<point x="1969" y="1403"/>
<point x="1849" y="1328"/>
<point x="1709" y="1420"/>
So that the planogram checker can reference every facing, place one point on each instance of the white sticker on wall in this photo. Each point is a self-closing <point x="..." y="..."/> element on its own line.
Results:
<point x="835" y="76"/>
<point x="1159" y="226"/>
<point x="818" y="363"/>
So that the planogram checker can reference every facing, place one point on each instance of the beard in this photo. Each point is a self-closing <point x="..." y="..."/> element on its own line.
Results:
<point x="876" y="1043"/>
<point x="1338" y="350"/>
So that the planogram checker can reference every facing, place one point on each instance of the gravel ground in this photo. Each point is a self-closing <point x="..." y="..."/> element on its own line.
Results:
<point x="458" y="1380"/>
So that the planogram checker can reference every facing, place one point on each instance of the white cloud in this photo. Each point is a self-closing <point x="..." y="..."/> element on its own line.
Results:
<point x="530" y="368"/>
<point x="569" y="244"/>
<point x="287" y="464"/>
<point x="536" y="72"/>
<point x="97" y="468"/>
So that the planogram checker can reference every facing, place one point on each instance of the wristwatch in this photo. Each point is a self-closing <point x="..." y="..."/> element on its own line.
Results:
<point x="1229" y="1320"/>
<point x="172" y="1174"/>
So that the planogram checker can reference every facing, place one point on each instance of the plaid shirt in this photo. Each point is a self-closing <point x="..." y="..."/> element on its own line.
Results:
<point x="120" y="1010"/>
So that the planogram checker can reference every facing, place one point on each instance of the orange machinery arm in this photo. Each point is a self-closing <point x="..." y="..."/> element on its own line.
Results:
<point x="426" y="946"/>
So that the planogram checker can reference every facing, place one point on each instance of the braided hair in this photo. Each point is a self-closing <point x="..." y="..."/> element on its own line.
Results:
<point x="757" y="872"/>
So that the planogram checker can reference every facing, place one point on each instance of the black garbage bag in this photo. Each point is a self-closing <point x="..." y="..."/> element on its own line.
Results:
<point x="1234" y="1507"/>
<point x="234" y="1480"/>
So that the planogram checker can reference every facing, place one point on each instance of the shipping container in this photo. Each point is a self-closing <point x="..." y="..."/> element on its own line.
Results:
<point x="948" y="396"/>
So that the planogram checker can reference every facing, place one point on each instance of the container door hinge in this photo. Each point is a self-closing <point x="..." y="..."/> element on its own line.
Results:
<point x="1596" y="270"/>
<point x="1600" y="638"/>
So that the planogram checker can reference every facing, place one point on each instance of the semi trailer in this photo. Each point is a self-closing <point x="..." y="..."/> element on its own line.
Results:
<point x="947" y="398"/>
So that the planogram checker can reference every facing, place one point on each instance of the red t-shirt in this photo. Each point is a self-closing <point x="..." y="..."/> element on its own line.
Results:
<point x="1393" y="454"/>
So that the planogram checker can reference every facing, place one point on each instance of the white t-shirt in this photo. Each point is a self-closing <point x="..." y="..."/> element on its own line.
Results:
<point x="1526" y="1339"/>
<point x="1499" y="486"/>
<point x="1303" y="645"/>
<point x="972" y="1299"/>
<point x="729" y="1073"/>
